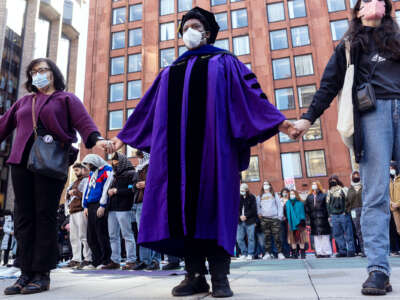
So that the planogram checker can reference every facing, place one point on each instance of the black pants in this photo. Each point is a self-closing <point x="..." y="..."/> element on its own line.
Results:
<point x="201" y="250"/>
<point x="35" y="219"/>
<point x="97" y="236"/>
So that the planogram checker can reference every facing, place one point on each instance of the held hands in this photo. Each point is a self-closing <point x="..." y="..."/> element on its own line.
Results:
<point x="295" y="130"/>
<point x="302" y="126"/>
<point x="110" y="146"/>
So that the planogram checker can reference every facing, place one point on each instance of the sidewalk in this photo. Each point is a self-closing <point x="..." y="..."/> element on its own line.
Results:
<point x="275" y="280"/>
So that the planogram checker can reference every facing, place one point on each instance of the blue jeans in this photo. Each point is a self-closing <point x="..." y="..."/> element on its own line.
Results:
<point x="121" y="221"/>
<point x="146" y="255"/>
<point x="244" y="229"/>
<point x="381" y="144"/>
<point x="260" y="243"/>
<point x="342" y="230"/>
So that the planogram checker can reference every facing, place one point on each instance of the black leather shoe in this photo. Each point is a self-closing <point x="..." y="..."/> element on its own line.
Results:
<point x="154" y="266"/>
<point x="139" y="266"/>
<point x="191" y="285"/>
<point x="220" y="286"/>
<point x="377" y="284"/>
<point x="16" y="288"/>
<point x="171" y="266"/>
<point x="303" y="253"/>
<point x="39" y="283"/>
<point x="340" y="255"/>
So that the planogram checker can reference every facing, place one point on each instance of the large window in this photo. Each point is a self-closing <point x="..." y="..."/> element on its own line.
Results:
<point x="184" y="5"/>
<point x="304" y="65"/>
<point x="276" y="12"/>
<point x="217" y="2"/>
<point x="223" y="44"/>
<point x="239" y="18"/>
<point x="241" y="45"/>
<point x="338" y="29"/>
<point x="118" y="40"/>
<point x="336" y="5"/>
<point x="306" y="95"/>
<point x="291" y="165"/>
<point x="119" y="16"/>
<point x="252" y="174"/>
<point x="42" y="32"/>
<point x="129" y="112"/>
<point x="115" y="119"/>
<point x="167" y="31"/>
<point x="64" y="50"/>
<point x="297" y="9"/>
<point x="135" y="12"/>
<point x="284" y="138"/>
<point x="117" y="65"/>
<point x="278" y="39"/>
<point x="181" y="50"/>
<point x="300" y="36"/>
<point x="222" y="20"/>
<point x="314" y="133"/>
<point x="315" y="162"/>
<point x="284" y="99"/>
<point x="167" y="7"/>
<point x="135" y="63"/>
<point x="134" y="89"/>
<point x="135" y="37"/>
<point x="167" y="57"/>
<point x="281" y="68"/>
<point x="116" y="92"/>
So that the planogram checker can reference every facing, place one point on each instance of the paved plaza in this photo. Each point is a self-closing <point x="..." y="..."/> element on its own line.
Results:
<point x="276" y="280"/>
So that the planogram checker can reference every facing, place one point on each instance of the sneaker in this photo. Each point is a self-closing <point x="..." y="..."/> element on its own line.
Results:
<point x="72" y="264"/>
<point x="267" y="256"/>
<point x="111" y="266"/>
<point x="154" y="266"/>
<point x="242" y="257"/>
<point x="220" y="286"/>
<point x="249" y="257"/>
<point x="281" y="256"/>
<point x="130" y="265"/>
<point x="99" y="267"/>
<point x="87" y="266"/>
<point x="191" y="285"/>
<point x="377" y="284"/>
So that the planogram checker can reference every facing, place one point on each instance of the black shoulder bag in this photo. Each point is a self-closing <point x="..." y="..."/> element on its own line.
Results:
<point x="365" y="92"/>
<point x="48" y="156"/>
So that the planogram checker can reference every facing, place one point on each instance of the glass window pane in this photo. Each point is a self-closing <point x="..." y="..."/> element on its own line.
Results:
<point x="276" y="12"/>
<point x="284" y="138"/>
<point x="130" y="152"/>
<point x="248" y="65"/>
<point x="129" y="112"/>
<point x="119" y="15"/>
<point x="135" y="37"/>
<point x="135" y="12"/>
<point x="284" y="99"/>
<point x="222" y="20"/>
<point x="338" y="29"/>
<point x="304" y="65"/>
<point x="181" y="50"/>
<point x="306" y="94"/>
<point x="167" y="31"/>
<point x="222" y="44"/>
<point x="314" y="133"/>
<point x="352" y="3"/>
<point x="252" y="174"/>
<point x="300" y="36"/>
<point x="239" y="18"/>
<point x="116" y="92"/>
<point x="281" y="68"/>
<point x="64" y="47"/>
<point x="167" y="57"/>
<point x="241" y="45"/>
<point x="217" y="2"/>
<point x="118" y="40"/>
<point x="291" y="165"/>
<point x="117" y="65"/>
<point x="167" y="7"/>
<point x="42" y="32"/>
<point x="297" y="9"/>
<point x="336" y="5"/>
<point x="398" y="16"/>
<point x="278" y="39"/>
<point x="134" y="89"/>
<point x="184" y="5"/>
<point x="115" y="119"/>
<point x="315" y="162"/>
<point x="135" y="63"/>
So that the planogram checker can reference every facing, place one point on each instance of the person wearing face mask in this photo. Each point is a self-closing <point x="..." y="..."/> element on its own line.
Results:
<point x="247" y="223"/>
<point x="395" y="210"/>
<point x="354" y="207"/>
<point x="95" y="200"/>
<point x="374" y="43"/>
<point x="295" y="214"/>
<point x="342" y="228"/>
<point x="270" y="211"/>
<point x="199" y="120"/>
<point x="317" y="212"/>
<point x="284" y="224"/>
<point x="58" y="116"/>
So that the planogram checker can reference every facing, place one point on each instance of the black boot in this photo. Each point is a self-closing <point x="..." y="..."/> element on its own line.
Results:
<point x="39" y="283"/>
<point x="295" y="254"/>
<point x="220" y="286"/>
<point x="219" y="266"/>
<point x="377" y="284"/>
<point x="22" y="281"/>
<point x="191" y="285"/>
<point x="303" y="253"/>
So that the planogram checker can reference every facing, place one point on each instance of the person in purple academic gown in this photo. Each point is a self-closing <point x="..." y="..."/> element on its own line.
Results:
<point x="199" y="120"/>
<point x="59" y="115"/>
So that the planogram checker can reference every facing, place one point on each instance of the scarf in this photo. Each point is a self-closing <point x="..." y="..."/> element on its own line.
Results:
<point x="295" y="213"/>
<point x="124" y="165"/>
<point x="143" y="161"/>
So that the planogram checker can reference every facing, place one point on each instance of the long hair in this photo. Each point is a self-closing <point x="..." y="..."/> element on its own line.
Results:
<point x="385" y="35"/>
<point x="271" y="189"/>
<point x="320" y="188"/>
<point x="297" y="195"/>
<point x="59" y="81"/>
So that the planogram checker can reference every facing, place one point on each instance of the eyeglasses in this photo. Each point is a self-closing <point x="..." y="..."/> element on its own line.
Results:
<point x="40" y="71"/>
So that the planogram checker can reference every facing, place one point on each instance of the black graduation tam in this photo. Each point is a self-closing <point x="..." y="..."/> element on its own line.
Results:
<point x="206" y="18"/>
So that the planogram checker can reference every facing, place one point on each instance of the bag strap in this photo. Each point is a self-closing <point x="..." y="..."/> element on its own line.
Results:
<point x="347" y="47"/>
<point x="34" y="116"/>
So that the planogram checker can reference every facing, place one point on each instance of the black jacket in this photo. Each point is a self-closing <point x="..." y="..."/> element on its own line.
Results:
<point x="318" y="214"/>
<point x="250" y="209"/>
<point x="331" y="83"/>
<point x="123" y="200"/>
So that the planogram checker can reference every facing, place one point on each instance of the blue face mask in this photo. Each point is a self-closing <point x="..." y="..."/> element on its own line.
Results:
<point x="40" y="80"/>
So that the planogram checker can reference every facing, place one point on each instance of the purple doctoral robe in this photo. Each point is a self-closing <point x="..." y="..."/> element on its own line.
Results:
<point x="236" y="116"/>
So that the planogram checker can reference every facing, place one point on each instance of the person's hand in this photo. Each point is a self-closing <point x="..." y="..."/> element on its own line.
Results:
<point x="395" y="205"/>
<point x="100" y="212"/>
<point x="117" y="143"/>
<point x="260" y="216"/>
<point x="112" y="192"/>
<point x="141" y="184"/>
<point x="302" y="127"/>
<point x="288" y="128"/>
<point x="106" y="146"/>
<point x="71" y="192"/>
<point x="243" y="218"/>
<point x="85" y="212"/>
